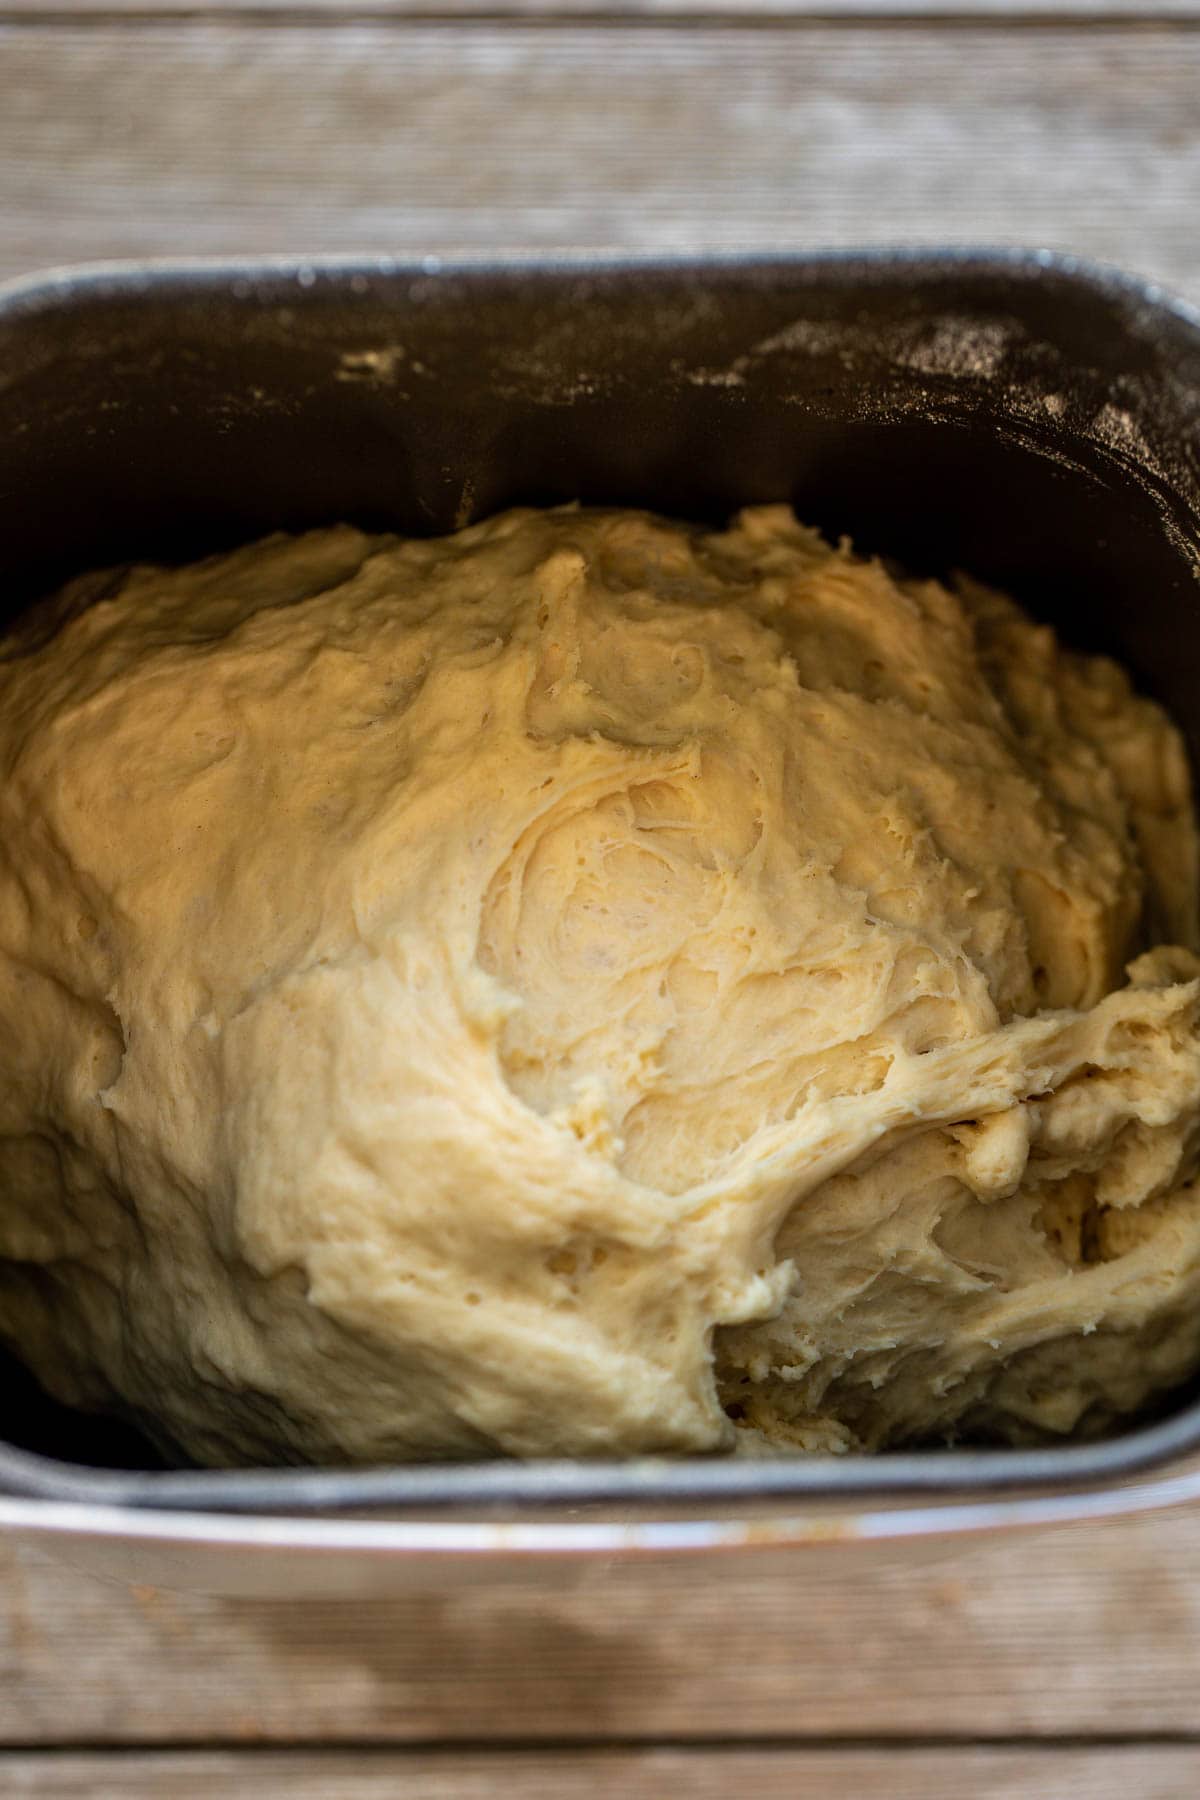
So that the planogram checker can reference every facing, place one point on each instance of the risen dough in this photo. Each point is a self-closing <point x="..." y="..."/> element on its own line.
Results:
<point x="441" y="982"/>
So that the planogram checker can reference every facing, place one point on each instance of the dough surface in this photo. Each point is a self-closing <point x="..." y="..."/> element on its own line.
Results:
<point x="589" y="986"/>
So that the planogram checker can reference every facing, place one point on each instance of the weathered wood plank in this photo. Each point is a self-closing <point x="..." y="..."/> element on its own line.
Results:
<point x="163" y="138"/>
<point x="1147" y="1772"/>
<point x="1077" y="1632"/>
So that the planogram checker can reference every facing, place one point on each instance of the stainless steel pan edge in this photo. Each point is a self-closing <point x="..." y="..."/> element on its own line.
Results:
<point x="282" y="1556"/>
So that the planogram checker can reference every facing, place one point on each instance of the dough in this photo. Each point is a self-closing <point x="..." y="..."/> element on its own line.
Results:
<point x="589" y="985"/>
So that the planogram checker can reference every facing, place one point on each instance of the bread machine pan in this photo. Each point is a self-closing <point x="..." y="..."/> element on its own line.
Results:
<point x="1022" y="416"/>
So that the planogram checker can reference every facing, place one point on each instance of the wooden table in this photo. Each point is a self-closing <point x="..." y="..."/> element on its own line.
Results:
<point x="1065" y="1664"/>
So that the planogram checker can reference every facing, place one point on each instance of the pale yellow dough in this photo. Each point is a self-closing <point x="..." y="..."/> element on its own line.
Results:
<point x="566" y="987"/>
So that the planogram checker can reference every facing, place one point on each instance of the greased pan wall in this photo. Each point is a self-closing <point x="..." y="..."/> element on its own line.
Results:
<point x="1031" y="420"/>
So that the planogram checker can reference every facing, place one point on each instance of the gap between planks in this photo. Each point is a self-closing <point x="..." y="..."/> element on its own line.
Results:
<point x="1065" y="1773"/>
<point x="852" y="12"/>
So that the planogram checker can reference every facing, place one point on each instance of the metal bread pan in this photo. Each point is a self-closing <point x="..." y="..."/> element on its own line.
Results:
<point x="1020" y="416"/>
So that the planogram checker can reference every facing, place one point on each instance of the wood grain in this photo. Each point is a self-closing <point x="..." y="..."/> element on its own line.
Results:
<point x="1078" y="1633"/>
<point x="208" y="137"/>
<point x="1144" y="1772"/>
